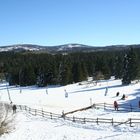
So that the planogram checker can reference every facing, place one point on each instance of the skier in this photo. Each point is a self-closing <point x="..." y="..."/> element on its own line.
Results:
<point x="123" y="97"/>
<point x="117" y="94"/>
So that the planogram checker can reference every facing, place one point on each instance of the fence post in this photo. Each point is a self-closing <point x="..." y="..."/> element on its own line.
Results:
<point x="104" y="106"/>
<point x="29" y="109"/>
<point x="112" y="122"/>
<point x="42" y="113"/>
<point x="20" y="107"/>
<point x="97" y="121"/>
<point x="94" y="106"/>
<point x="63" y="115"/>
<point x="25" y="108"/>
<point x="51" y="115"/>
<point x="73" y="119"/>
<point x="130" y="122"/>
<point x="84" y="120"/>
<point x="35" y="112"/>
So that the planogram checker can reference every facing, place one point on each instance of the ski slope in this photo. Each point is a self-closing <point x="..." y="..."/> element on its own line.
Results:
<point x="52" y="99"/>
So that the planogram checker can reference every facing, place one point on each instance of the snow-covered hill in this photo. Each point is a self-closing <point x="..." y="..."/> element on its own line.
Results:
<point x="53" y="99"/>
<point x="21" y="47"/>
<point x="49" y="49"/>
<point x="66" y="48"/>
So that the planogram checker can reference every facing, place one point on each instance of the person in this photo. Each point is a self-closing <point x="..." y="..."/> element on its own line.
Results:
<point x="66" y="94"/>
<point x="116" y="105"/>
<point x="117" y="94"/>
<point x="106" y="91"/>
<point x="14" y="108"/>
<point x="123" y="97"/>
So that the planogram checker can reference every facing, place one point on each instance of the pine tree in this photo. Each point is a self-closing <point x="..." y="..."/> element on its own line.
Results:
<point x="126" y="76"/>
<point x="66" y="75"/>
<point x="79" y="72"/>
<point x="102" y="67"/>
<point x="118" y="67"/>
<point x="40" y="78"/>
<point x="130" y="69"/>
<point x="133" y="64"/>
<point x="28" y="76"/>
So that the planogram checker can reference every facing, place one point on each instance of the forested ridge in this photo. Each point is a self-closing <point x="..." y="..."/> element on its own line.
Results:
<point x="42" y="69"/>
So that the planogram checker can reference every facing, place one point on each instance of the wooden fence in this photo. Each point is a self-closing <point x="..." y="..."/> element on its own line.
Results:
<point x="50" y="115"/>
<point x="105" y="106"/>
<point x="121" y="107"/>
<point x="38" y="112"/>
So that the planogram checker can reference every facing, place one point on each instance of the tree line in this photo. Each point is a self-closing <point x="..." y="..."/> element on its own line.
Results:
<point x="42" y="69"/>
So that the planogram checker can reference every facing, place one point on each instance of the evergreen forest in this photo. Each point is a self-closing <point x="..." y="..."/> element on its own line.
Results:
<point x="42" y="69"/>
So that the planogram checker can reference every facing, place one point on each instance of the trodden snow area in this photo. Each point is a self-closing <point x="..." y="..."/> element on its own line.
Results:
<point x="63" y="99"/>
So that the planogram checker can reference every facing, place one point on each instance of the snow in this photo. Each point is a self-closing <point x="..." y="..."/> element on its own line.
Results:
<point x="29" y="127"/>
<point x="72" y="45"/>
<point x="69" y="46"/>
<point x="16" y="47"/>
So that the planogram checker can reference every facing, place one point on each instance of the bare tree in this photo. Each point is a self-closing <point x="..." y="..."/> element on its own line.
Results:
<point x="6" y="118"/>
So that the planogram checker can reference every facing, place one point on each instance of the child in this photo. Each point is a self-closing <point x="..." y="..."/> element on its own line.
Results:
<point x="116" y="105"/>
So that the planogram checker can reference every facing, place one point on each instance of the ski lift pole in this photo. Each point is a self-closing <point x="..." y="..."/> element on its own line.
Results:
<point x="8" y="94"/>
<point x="8" y="89"/>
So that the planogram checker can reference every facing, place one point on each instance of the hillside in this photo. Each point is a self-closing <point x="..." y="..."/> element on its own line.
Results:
<point x="53" y="99"/>
<point x="66" y="48"/>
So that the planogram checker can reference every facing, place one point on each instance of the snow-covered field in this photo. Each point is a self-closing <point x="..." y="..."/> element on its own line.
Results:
<point x="52" y="99"/>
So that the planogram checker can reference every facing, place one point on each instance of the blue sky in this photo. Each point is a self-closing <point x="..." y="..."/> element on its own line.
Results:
<point x="55" y="22"/>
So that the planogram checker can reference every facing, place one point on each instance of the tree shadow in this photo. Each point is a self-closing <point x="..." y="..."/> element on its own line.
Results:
<point x="132" y="104"/>
<point x="31" y="87"/>
<point x="96" y="89"/>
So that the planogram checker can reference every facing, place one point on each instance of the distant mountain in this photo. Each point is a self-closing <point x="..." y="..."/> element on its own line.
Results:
<point x="66" y="48"/>
<point x="21" y="47"/>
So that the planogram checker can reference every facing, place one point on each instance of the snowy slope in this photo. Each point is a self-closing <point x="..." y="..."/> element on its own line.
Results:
<point x="29" y="127"/>
<point x="21" y="47"/>
<point x="35" y="128"/>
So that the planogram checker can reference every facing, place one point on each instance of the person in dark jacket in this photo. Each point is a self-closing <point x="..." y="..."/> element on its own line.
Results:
<point x="123" y="97"/>
<point x="14" y="108"/>
<point x="117" y="94"/>
<point x="116" y="105"/>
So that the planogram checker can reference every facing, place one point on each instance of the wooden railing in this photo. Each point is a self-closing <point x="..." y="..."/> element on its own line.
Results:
<point x="38" y="112"/>
<point x="105" y="106"/>
<point x="121" y="107"/>
<point x="50" y="115"/>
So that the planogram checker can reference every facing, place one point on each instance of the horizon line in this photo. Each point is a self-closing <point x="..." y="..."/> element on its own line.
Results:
<point x="18" y="44"/>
